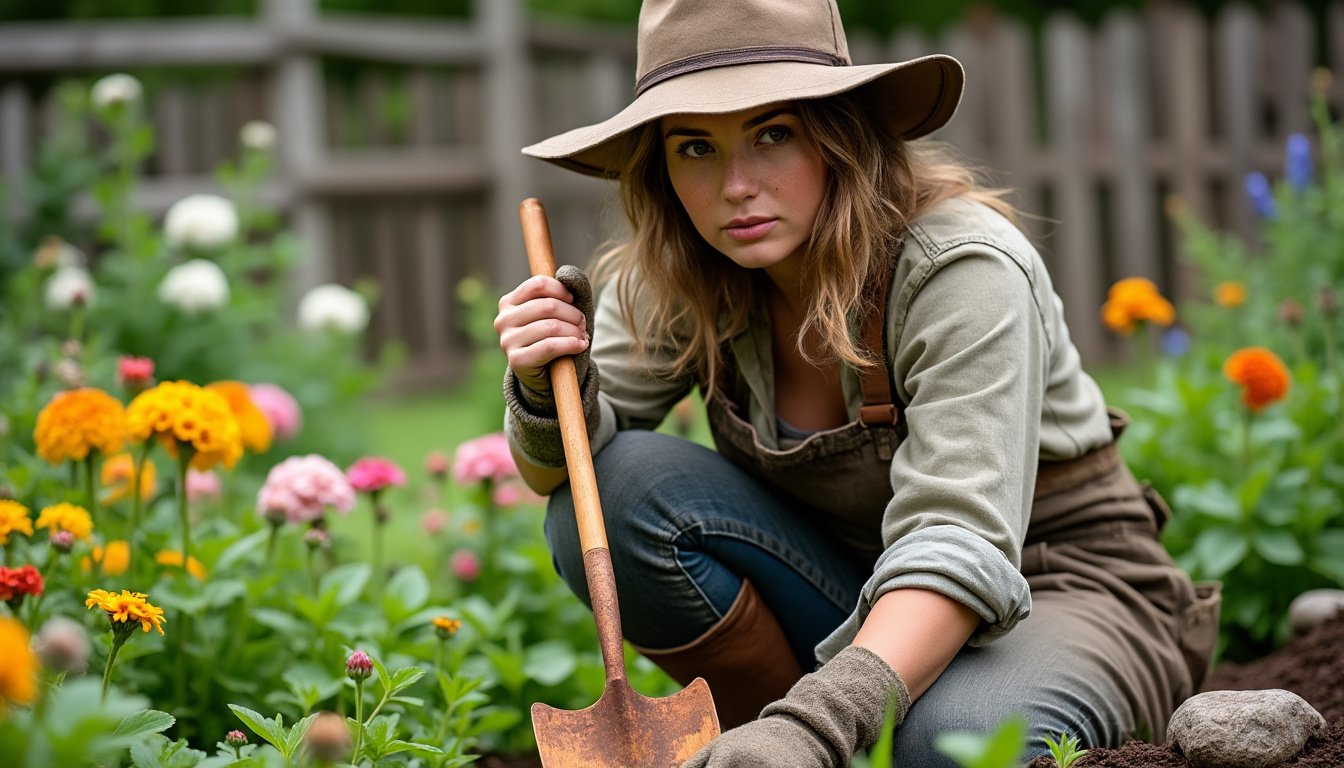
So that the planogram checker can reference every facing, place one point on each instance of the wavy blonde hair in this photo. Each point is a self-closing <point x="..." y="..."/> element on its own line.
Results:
<point x="876" y="185"/>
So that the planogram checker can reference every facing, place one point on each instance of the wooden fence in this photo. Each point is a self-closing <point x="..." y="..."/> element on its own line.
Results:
<point x="399" y="140"/>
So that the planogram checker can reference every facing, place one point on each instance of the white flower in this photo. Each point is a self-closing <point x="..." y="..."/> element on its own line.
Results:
<point x="55" y="252"/>
<point x="195" y="286"/>
<point x="333" y="306"/>
<point x="68" y="286"/>
<point x="116" y="89"/>
<point x="257" y="134"/>
<point x="201" y="221"/>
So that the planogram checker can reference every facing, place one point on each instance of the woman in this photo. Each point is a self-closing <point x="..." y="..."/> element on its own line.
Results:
<point x="911" y="461"/>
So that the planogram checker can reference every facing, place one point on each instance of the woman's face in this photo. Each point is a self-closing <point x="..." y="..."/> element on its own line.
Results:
<point x="751" y="182"/>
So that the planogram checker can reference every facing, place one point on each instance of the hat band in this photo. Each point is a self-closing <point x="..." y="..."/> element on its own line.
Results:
<point x="734" y="58"/>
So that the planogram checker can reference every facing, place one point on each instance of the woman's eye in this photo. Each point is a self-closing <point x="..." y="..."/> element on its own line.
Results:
<point x="775" y="134"/>
<point x="693" y="149"/>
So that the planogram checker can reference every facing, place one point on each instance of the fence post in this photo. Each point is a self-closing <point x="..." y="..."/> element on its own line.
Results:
<point x="298" y="109"/>
<point x="15" y="117"/>
<point x="508" y="122"/>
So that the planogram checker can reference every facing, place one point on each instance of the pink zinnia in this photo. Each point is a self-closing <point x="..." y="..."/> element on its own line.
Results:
<point x="434" y="522"/>
<point x="203" y="486"/>
<point x="280" y="408"/>
<point x="465" y="565"/>
<point x="359" y="666"/>
<point x="437" y="465"/>
<point x="303" y="487"/>
<point x="135" y="373"/>
<point x="372" y="473"/>
<point x="484" y="458"/>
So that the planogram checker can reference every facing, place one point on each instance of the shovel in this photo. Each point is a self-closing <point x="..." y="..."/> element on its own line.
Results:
<point x="624" y="729"/>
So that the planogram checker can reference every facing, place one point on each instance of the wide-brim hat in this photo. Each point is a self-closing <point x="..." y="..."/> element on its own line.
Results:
<point x="721" y="56"/>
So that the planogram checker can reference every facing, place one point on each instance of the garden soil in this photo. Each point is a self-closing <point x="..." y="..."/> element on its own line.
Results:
<point x="1312" y="666"/>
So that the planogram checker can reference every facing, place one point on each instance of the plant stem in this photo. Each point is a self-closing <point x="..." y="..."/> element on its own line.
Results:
<point x="117" y="641"/>
<point x="378" y="575"/>
<point x="89" y="490"/>
<point x="183" y="460"/>
<point x="1246" y="443"/>
<point x="359" y="718"/>
<point x="137" y="466"/>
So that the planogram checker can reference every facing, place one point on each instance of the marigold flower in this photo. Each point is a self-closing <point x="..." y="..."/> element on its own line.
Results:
<point x="17" y="583"/>
<point x="1229" y="293"/>
<point x="179" y="412"/>
<point x="256" y="428"/>
<point x="67" y="517"/>
<point x="303" y="487"/>
<point x="13" y="519"/>
<point x="173" y="558"/>
<point x="18" y="675"/>
<point x="1134" y="300"/>
<point x="117" y="475"/>
<point x="1263" y="377"/>
<point x="445" y="627"/>
<point x="280" y="407"/>
<point x="127" y="608"/>
<point x="484" y="458"/>
<point x="78" y="421"/>
<point x="359" y="666"/>
<point x="373" y="473"/>
<point x="113" y="559"/>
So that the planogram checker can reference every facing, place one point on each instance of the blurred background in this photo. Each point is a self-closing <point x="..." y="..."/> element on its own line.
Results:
<point x="398" y="124"/>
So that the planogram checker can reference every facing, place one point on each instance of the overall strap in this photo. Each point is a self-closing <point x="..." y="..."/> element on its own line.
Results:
<point x="881" y="410"/>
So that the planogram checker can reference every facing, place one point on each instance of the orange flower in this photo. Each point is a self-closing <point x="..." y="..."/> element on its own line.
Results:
<point x="77" y="421"/>
<point x="255" y="426"/>
<point x="14" y="519"/>
<point x="67" y="517"/>
<point x="174" y="558"/>
<point x="112" y="560"/>
<point x="127" y="608"/>
<point x="1134" y="300"/>
<point x="1263" y="377"/>
<point x="1229" y="293"/>
<point x="116" y="478"/>
<point x="18" y="673"/>
<point x="181" y="413"/>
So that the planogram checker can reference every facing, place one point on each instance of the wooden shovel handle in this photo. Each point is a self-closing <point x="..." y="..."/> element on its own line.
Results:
<point x="579" y="460"/>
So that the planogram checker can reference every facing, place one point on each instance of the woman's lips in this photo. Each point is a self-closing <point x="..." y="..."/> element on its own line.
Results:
<point x="750" y="231"/>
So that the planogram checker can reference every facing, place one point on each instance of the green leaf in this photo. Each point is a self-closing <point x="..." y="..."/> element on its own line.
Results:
<point x="550" y="662"/>
<point x="1212" y="499"/>
<point x="296" y="734"/>
<point x="242" y="548"/>
<point x="281" y="622"/>
<point x="260" y="725"/>
<point x="404" y="678"/>
<point x="144" y="723"/>
<point x="1219" y="550"/>
<point x="406" y="592"/>
<point x="347" y="581"/>
<point x="404" y="746"/>
<point x="1278" y="547"/>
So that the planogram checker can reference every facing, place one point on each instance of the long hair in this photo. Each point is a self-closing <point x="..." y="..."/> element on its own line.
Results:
<point x="876" y="185"/>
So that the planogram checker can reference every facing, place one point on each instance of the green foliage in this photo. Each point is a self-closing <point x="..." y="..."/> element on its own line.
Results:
<point x="1255" y="493"/>
<point x="1001" y="749"/>
<point x="1065" y="751"/>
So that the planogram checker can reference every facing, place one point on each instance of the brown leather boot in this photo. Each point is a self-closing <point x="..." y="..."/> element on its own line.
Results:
<point x="744" y="657"/>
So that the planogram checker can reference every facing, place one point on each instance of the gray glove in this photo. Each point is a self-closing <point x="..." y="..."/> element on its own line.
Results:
<point x="533" y="423"/>
<point x="826" y="718"/>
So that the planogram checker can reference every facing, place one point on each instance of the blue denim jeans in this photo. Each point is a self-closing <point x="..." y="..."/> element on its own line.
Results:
<point x="685" y="526"/>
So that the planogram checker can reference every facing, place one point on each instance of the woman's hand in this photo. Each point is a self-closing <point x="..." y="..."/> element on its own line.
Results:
<point x="538" y="322"/>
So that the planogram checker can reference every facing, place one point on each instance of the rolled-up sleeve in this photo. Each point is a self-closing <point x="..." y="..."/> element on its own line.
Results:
<point x="969" y="357"/>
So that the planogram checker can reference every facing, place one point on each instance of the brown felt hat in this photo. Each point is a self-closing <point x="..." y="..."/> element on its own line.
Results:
<point x="719" y="56"/>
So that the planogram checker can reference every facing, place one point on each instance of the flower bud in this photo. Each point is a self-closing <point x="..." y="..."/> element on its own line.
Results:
<point x="316" y="538"/>
<point x="1327" y="302"/>
<point x="328" y="738"/>
<point x="235" y="739"/>
<point x="63" y="645"/>
<point x="1290" y="313"/>
<point x="70" y="374"/>
<point x="62" y="541"/>
<point x="71" y="348"/>
<point x="359" y="666"/>
<point x="437" y="465"/>
<point x="445" y="627"/>
<point x="135" y="374"/>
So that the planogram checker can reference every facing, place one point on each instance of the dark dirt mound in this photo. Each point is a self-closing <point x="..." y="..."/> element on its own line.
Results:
<point x="1312" y="666"/>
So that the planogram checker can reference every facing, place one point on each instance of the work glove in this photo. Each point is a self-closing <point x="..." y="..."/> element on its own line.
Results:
<point x="534" y="426"/>
<point x="825" y="718"/>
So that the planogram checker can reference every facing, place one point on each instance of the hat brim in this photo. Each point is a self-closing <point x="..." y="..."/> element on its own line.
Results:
<point x="914" y="97"/>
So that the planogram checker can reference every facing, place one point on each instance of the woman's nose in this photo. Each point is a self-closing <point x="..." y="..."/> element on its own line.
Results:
<point x="739" y="180"/>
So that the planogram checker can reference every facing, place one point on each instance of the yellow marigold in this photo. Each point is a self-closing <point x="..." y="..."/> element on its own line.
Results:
<point x="112" y="560"/>
<point x="67" y="517"/>
<point x="445" y="626"/>
<point x="174" y="558"/>
<point x="18" y="673"/>
<point x="1263" y="377"/>
<point x="1134" y="300"/>
<point x="255" y="427"/>
<point x="127" y="608"/>
<point x="77" y="421"/>
<point x="1229" y="293"/>
<point x="181" y="413"/>
<point x="116" y="477"/>
<point x="13" y="517"/>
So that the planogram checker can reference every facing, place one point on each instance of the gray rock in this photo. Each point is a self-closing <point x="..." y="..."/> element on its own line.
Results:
<point x="1243" y="729"/>
<point x="1315" y="607"/>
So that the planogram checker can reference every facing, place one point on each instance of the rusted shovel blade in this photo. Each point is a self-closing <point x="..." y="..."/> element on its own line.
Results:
<point x="627" y="730"/>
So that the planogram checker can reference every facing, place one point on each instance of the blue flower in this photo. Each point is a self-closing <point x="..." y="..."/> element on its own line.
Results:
<point x="1297" y="161"/>
<point x="1262" y="196"/>
<point x="1175" y="341"/>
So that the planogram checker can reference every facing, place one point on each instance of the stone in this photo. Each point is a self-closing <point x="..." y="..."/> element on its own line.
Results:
<point x="1243" y="729"/>
<point x="1315" y="607"/>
